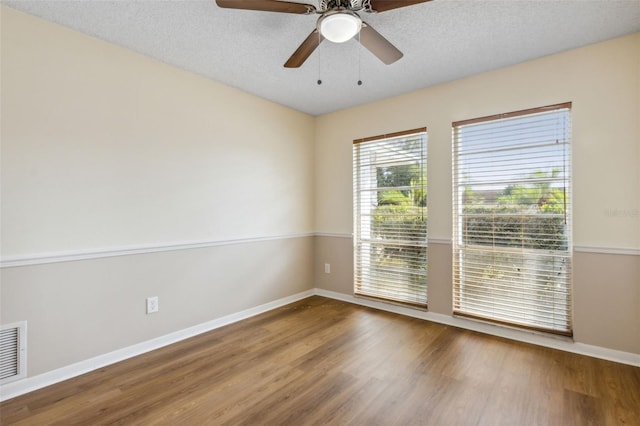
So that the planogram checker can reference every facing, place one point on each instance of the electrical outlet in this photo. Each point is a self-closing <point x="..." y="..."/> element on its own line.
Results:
<point x="152" y="304"/>
<point x="327" y="268"/>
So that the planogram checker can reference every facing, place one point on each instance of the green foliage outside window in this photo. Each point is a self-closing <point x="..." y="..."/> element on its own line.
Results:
<point x="400" y="219"/>
<point x="529" y="216"/>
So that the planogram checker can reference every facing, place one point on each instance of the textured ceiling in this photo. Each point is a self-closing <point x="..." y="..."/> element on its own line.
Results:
<point x="442" y="40"/>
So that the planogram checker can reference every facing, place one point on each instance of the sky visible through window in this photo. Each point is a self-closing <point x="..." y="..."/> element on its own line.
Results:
<point x="489" y="153"/>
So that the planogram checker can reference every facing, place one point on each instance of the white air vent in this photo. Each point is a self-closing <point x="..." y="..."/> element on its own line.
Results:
<point x="13" y="352"/>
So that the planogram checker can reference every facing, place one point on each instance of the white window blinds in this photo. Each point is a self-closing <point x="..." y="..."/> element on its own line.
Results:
<point x="512" y="218"/>
<point x="390" y="217"/>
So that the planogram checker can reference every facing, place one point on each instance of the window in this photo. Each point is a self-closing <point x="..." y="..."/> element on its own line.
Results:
<point x="512" y="218"/>
<point x="390" y="217"/>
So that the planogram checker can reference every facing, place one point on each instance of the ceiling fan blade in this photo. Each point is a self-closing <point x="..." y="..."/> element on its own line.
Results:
<point x="384" y="5"/>
<point x="378" y="45"/>
<point x="268" y="6"/>
<point x="305" y="50"/>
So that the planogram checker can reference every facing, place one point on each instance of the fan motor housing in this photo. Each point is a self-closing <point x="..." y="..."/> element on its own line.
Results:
<point x="346" y="4"/>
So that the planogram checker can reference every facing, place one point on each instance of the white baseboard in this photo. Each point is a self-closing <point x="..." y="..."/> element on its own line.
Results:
<point x="30" y="384"/>
<point x="540" y="339"/>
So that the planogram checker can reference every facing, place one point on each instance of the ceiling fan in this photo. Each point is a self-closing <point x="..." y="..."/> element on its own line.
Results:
<point x="338" y="22"/>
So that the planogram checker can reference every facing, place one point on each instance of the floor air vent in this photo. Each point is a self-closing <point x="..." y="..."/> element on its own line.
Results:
<point x="13" y="351"/>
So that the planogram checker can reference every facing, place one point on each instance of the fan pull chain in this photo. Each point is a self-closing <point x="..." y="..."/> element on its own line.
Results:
<point x="319" y="49"/>
<point x="359" y="60"/>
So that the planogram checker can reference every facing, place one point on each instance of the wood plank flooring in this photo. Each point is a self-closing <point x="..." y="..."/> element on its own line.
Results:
<point x="322" y="361"/>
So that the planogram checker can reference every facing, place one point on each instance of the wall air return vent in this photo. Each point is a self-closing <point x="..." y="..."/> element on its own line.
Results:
<point x="13" y="352"/>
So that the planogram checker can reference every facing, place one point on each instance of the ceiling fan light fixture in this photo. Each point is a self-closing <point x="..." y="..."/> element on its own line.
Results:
<point x="340" y="26"/>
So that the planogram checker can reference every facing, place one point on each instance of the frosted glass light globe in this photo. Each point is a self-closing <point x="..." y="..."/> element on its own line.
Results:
<point x="339" y="27"/>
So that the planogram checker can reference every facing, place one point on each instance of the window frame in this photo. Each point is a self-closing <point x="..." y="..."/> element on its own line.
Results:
<point x="461" y="247"/>
<point x="368" y="272"/>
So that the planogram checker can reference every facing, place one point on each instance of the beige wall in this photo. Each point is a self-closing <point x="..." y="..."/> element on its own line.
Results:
<point x="606" y="300"/>
<point x="606" y="290"/>
<point x="79" y="310"/>
<point x="602" y="81"/>
<point x="121" y="150"/>
<point x="105" y="149"/>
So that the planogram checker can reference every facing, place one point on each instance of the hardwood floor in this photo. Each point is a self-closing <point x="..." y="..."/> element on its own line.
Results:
<point x="321" y="361"/>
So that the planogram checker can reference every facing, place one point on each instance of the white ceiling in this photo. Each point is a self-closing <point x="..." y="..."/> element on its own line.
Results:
<point x="442" y="40"/>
